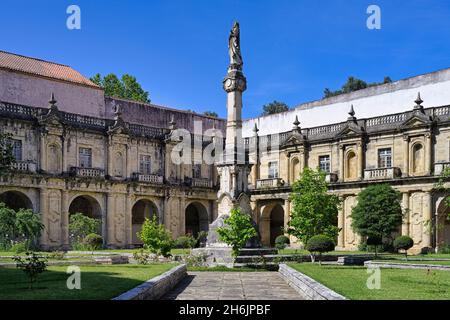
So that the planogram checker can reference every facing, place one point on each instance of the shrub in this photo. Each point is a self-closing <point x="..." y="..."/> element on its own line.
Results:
<point x="185" y="242"/>
<point x="80" y="226"/>
<point x="281" y="242"/>
<point x="319" y="244"/>
<point x="57" y="255"/>
<point x="32" y="265"/>
<point x="142" y="257"/>
<point x="155" y="237"/>
<point x="238" y="230"/>
<point x="444" y="249"/>
<point x="93" y="241"/>
<point x="403" y="243"/>
<point x="20" y="247"/>
<point x="201" y="238"/>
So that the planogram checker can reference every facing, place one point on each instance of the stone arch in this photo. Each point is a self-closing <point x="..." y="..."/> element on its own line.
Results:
<point x="417" y="158"/>
<point x="351" y="165"/>
<point x="295" y="169"/>
<point x="142" y="209"/>
<point x="88" y="206"/>
<point x="16" y="200"/>
<point x="196" y="218"/>
<point x="271" y="222"/>
<point x="443" y="223"/>
<point x="54" y="158"/>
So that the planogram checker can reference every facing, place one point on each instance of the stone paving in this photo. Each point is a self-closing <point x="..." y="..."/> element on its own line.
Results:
<point x="233" y="286"/>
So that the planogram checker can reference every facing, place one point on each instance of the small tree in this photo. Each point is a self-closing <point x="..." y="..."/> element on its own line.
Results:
<point x="314" y="210"/>
<point x="80" y="226"/>
<point x="319" y="244"/>
<point x="155" y="237"/>
<point x="374" y="242"/>
<point x="403" y="243"/>
<point x="93" y="241"/>
<point x="378" y="212"/>
<point x="281" y="242"/>
<point x="32" y="265"/>
<point x="238" y="230"/>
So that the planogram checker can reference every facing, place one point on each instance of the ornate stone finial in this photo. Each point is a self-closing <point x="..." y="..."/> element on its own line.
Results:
<point x="52" y="102"/>
<point x="255" y="129"/>
<point x="418" y="102"/>
<point x="234" y="47"/>
<point x="117" y="109"/>
<point x="296" y="123"/>
<point x="172" y="123"/>
<point x="352" y="114"/>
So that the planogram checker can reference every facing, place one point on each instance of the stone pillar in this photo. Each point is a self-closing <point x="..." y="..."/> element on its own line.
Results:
<point x="427" y="219"/>
<point x="109" y="158"/>
<point x="341" y="225"/>
<point x="43" y="152"/>
<point x="108" y="219"/>
<point x="405" y="207"/>
<point x="65" y="218"/>
<point x="43" y="210"/>
<point x="341" y="163"/>
<point x="287" y="212"/>
<point x="405" y="172"/>
<point x="129" y="220"/>
<point x="359" y="148"/>
<point x="64" y="154"/>
<point x="428" y="153"/>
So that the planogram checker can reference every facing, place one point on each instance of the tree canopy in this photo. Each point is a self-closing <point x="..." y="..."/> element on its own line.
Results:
<point x="314" y="210"/>
<point x="353" y="84"/>
<point x="274" y="107"/>
<point x="378" y="212"/>
<point x="211" y="114"/>
<point x="126" y="87"/>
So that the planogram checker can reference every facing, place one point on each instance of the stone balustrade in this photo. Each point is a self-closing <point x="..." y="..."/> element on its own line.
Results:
<point x="382" y="173"/>
<point x="148" y="178"/>
<point x="24" y="166"/>
<point x="331" y="177"/>
<point x="269" y="183"/>
<point x="87" y="172"/>
<point x="440" y="167"/>
<point x="201" y="183"/>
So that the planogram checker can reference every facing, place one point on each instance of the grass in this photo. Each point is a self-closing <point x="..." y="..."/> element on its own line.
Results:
<point x="412" y="261"/>
<point x="396" y="284"/>
<point x="97" y="282"/>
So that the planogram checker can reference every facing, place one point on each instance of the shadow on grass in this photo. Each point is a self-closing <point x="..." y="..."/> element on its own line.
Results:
<point x="97" y="283"/>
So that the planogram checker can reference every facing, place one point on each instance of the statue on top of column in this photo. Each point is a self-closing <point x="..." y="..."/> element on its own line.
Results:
<point x="234" y="47"/>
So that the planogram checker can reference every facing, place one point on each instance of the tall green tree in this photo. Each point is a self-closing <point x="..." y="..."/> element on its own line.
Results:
<point x="378" y="212"/>
<point x="274" y="107"/>
<point x="6" y="153"/>
<point x="314" y="210"/>
<point x="126" y="87"/>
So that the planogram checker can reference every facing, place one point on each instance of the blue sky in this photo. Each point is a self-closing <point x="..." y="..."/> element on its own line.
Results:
<point x="292" y="49"/>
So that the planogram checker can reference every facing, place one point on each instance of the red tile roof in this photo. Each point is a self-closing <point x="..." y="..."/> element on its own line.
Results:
<point x="14" y="62"/>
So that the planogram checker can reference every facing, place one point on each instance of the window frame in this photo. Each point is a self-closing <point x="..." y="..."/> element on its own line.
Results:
<point x="145" y="166"/>
<point x="384" y="160"/>
<point x="328" y="163"/>
<point x="273" y="170"/>
<point x="82" y="156"/>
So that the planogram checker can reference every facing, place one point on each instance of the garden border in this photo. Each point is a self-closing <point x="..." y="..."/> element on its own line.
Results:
<point x="156" y="287"/>
<point x="394" y="265"/>
<point x="306" y="286"/>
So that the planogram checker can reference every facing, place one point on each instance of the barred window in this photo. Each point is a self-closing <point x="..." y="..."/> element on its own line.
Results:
<point x="384" y="158"/>
<point x="324" y="163"/>
<point x="85" y="156"/>
<point x="145" y="165"/>
<point x="17" y="149"/>
<point x="273" y="170"/>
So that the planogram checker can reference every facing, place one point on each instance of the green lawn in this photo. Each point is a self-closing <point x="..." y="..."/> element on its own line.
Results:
<point x="97" y="282"/>
<point x="396" y="284"/>
<point x="412" y="261"/>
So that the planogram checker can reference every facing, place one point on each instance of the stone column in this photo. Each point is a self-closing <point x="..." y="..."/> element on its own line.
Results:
<point x="43" y="152"/>
<point x="405" y="172"/>
<point x="65" y="218"/>
<point x="405" y="207"/>
<point x="341" y="225"/>
<point x="108" y="219"/>
<point x="427" y="219"/>
<point x="341" y="163"/>
<point x="43" y="209"/>
<point x="428" y="153"/>
<point x="64" y="154"/>
<point x="109" y="158"/>
<point x="359" y="148"/>
<point x="287" y="212"/>
<point x="128" y="220"/>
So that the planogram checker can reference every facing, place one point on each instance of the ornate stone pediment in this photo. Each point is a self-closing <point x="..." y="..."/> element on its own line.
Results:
<point x="294" y="140"/>
<point x="418" y="117"/>
<point x="352" y="128"/>
<point x="53" y="116"/>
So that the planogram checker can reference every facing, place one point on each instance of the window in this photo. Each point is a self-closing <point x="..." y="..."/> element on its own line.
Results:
<point x="17" y="149"/>
<point x="197" y="171"/>
<point x="384" y="158"/>
<point x="85" y="155"/>
<point x="145" y="165"/>
<point x="273" y="170"/>
<point x="324" y="163"/>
